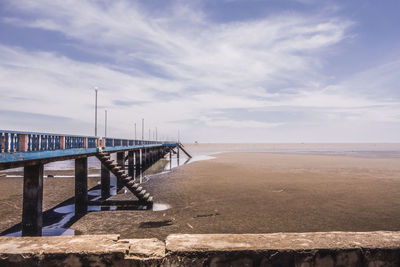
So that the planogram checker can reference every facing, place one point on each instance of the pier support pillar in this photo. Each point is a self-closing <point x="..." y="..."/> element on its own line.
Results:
<point x="81" y="184"/>
<point x="177" y="156"/>
<point x="144" y="158"/>
<point x="105" y="182"/>
<point x="141" y="158"/>
<point x="137" y="159"/>
<point x="121" y="163"/>
<point x="121" y="159"/>
<point x="170" y="158"/>
<point x="151" y="160"/>
<point x="32" y="201"/>
<point x="131" y="162"/>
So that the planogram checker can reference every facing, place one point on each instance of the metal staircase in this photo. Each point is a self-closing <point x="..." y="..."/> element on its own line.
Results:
<point x="127" y="181"/>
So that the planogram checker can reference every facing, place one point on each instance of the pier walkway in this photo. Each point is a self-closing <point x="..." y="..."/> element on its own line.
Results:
<point x="33" y="150"/>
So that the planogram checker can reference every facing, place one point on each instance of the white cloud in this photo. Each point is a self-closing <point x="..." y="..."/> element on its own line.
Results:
<point x="242" y="124"/>
<point x="203" y="66"/>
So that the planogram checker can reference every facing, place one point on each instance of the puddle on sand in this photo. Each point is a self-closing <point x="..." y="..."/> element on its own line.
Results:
<point x="183" y="160"/>
<point x="48" y="232"/>
<point x="155" y="224"/>
<point x="70" y="209"/>
<point x="160" y="207"/>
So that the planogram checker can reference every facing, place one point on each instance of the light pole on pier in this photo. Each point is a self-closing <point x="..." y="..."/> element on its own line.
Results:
<point x="142" y="129"/>
<point x="105" y="123"/>
<point x="135" y="130"/>
<point x="95" y="112"/>
<point x="156" y="134"/>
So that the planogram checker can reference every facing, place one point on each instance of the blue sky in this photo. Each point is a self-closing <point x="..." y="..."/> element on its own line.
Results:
<point x="220" y="71"/>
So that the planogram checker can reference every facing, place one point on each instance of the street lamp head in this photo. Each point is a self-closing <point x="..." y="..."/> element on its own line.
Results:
<point x="96" y="88"/>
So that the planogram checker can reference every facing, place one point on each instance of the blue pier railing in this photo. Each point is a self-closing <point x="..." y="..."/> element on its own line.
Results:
<point x="9" y="142"/>
<point x="92" y="142"/>
<point x="109" y="142"/>
<point x="17" y="147"/>
<point x="13" y="142"/>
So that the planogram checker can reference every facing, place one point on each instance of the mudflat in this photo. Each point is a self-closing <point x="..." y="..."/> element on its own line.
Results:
<point x="263" y="193"/>
<point x="55" y="191"/>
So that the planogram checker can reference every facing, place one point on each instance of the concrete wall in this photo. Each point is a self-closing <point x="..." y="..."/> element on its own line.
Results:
<point x="280" y="249"/>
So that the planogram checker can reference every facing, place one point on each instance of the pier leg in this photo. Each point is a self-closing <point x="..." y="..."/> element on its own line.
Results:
<point x="81" y="183"/>
<point x="121" y="163"/>
<point x="105" y="182"/>
<point x="141" y="159"/>
<point x="144" y="158"/>
<point x="121" y="159"/>
<point x="148" y="157"/>
<point x="131" y="162"/>
<point x="170" y="158"/>
<point x="177" y="156"/>
<point x="137" y="159"/>
<point x="137" y="163"/>
<point x="32" y="201"/>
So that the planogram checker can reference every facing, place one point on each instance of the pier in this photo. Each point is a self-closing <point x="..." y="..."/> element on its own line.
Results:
<point x="33" y="150"/>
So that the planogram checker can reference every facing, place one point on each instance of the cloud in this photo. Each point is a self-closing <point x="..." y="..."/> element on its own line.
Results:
<point x="175" y="65"/>
<point x="187" y="47"/>
<point x="230" y="123"/>
<point x="128" y="103"/>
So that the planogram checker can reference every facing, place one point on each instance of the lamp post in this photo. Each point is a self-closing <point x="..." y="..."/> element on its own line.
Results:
<point x="135" y="130"/>
<point x="105" y="123"/>
<point x="142" y="129"/>
<point x="95" y="112"/>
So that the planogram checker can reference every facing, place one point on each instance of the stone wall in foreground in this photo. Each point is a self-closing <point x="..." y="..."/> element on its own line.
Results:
<point x="280" y="249"/>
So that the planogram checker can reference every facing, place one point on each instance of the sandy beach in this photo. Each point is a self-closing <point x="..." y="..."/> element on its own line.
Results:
<point x="244" y="192"/>
<point x="264" y="193"/>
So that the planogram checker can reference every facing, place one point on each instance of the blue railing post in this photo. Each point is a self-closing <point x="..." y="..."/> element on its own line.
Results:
<point x="33" y="142"/>
<point x="11" y="149"/>
<point x="6" y="147"/>
<point x="18" y="145"/>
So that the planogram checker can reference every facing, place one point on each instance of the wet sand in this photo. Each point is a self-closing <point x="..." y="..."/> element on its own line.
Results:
<point x="264" y="193"/>
<point x="243" y="192"/>
<point x="55" y="191"/>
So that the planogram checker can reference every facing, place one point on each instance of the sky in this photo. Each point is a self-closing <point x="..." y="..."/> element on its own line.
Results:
<point x="272" y="71"/>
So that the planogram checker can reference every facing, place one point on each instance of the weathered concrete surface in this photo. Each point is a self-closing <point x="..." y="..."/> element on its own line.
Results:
<point x="145" y="248"/>
<point x="87" y="250"/>
<point x="280" y="249"/>
<point x="285" y="249"/>
<point x="282" y="241"/>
